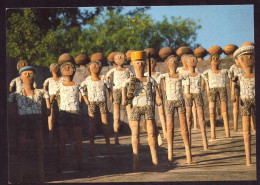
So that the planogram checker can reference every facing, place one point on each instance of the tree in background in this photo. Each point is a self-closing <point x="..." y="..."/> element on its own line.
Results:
<point x="41" y="35"/>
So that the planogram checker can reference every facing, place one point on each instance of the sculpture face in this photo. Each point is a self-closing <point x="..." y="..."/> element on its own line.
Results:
<point x="247" y="60"/>
<point x="27" y="77"/>
<point x="120" y="59"/>
<point x="94" y="68"/>
<point x="55" y="69"/>
<point x="139" y="65"/>
<point x="192" y="61"/>
<point x="184" y="59"/>
<point x="215" y="60"/>
<point x="67" y="70"/>
<point x="22" y="64"/>
<point x="237" y="63"/>
<point x="172" y="63"/>
<point x="153" y="63"/>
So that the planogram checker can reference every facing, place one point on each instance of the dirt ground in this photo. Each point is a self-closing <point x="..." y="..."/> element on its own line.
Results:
<point x="224" y="161"/>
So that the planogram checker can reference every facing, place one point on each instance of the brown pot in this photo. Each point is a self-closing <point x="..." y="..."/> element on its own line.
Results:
<point x="98" y="57"/>
<point x="248" y="44"/>
<point x="152" y="52"/>
<point x="183" y="50"/>
<point x="82" y="59"/>
<point x="200" y="53"/>
<point x="165" y="52"/>
<point x="110" y="57"/>
<point x="65" y="57"/>
<point x="230" y="49"/>
<point x="128" y="55"/>
<point x="215" y="49"/>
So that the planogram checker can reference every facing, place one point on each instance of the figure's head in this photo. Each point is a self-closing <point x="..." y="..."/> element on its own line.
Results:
<point x="184" y="59"/>
<point x="27" y="74"/>
<point x="138" y="59"/>
<point x="21" y="63"/>
<point x="192" y="60"/>
<point x="95" y="67"/>
<point x="245" y="56"/>
<point x="153" y="63"/>
<point x="54" y="67"/>
<point x="215" y="59"/>
<point x="120" y="58"/>
<point x="67" y="69"/>
<point x="172" y="61"/>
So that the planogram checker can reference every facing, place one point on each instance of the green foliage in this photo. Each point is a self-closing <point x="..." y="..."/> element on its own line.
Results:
<point x="104" y="31"/>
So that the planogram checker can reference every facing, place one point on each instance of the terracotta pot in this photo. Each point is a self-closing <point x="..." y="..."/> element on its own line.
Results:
<point x="183" y="50"/>
<point x="230" y="49"/>
<point x="200" y="53"/>
<point x="99" y="57"/>
<point x="248" y="44"/>
<point x="128" y="55"/>
<point x="65" y="57"/>
<point x="215" y="49"/>
<point x="110" y="58"/>
<point x="165" y="52"/>
<point x="82" y="59"/>
<point x="152" y="52"/>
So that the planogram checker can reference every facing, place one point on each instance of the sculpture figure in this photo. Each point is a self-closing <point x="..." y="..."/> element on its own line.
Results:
<point x="245" y="56"/>
<point x="216" y="87"/>
<point x="69" y="109"/>
<point x="29" y="105"/>
<point x="50" y="85"/>
<point x="175" y="100"/>
<point x="95" y="86"/>
<point x="116" y="77"/>
<point x="197" y="86"/>
<point x="140" y="91"/>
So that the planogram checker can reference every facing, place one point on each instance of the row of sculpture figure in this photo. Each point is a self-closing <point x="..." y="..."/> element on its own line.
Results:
<point x="140" y="92"/>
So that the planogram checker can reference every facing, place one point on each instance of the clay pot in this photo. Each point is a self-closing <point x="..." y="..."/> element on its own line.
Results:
<point x="110" y="58"/>
<point x="151" y="51"/>
<point x="65" y="57"/>
<point x="248" y="44"/>
<point x="215" y="49"/>
<point x="183" y="50"/>
<point x="98" y="57"/>
<point x="230" y="49"/>
<point x="82" y="59"/>
<point x="200" y="53"/>
<point x="165" y="52"/>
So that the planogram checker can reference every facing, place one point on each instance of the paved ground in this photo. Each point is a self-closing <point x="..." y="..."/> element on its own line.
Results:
<point x="224" y="161"/>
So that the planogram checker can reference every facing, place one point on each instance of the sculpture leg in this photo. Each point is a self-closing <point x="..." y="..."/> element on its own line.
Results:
<point x="247" y="138"/>
<point x="40" y="154"/>
<point x="185" y="137"/>
<point x="202" y="127"/>
<point x="194" y="114"/>
<point x="61" y="146"/>
<point x="106" y="132"/>
<point x="50" y="124"/>
<point x="92" y="132"/>
<point x="170" y="135"/>
<point x="78" y="136"/>
<point x="128" y="111"/>
<point x="252" y="120"/>
<point x="135" y="144"/>
<point x="21" y="155"/>
<point x="224" y="110"/>
<point x="235" y="113"/>
<point x="212" y="118"/>
<point x="162" y="119"/>
<point x="116" y="122"/>
<point x="152" y="142"/>
<point x="189" y="122"/>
